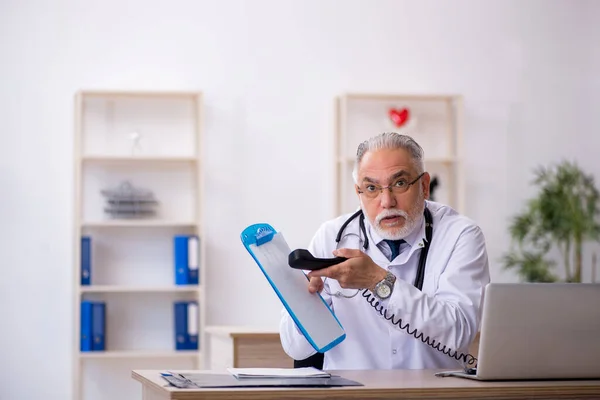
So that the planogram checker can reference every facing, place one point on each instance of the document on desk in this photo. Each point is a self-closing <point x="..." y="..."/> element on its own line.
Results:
<point x="313" y="317"/>
<point x="308" y="372"/>
<point x="212" y="380"/>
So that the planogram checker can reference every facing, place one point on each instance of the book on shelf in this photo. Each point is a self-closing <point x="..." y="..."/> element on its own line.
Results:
<point x="93" y="326"/>
<point x="86" y="260"/>
<point x="186" y="259"/>
<point x="186" y="325"/>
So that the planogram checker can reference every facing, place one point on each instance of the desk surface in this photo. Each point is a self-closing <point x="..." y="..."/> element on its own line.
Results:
<point x="388" y="384"/>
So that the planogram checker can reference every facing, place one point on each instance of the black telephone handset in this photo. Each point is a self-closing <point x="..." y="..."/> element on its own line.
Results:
<point x="303" y="259"/>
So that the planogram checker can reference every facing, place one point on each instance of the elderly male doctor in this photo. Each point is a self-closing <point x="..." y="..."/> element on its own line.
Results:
<point x="384" y="245"/>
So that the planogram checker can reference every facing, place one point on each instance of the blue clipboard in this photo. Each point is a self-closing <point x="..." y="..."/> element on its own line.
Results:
<point x="313" y="317"/>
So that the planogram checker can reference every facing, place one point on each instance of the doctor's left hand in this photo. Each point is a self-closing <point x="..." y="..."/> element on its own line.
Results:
<point x="358" y="272"/>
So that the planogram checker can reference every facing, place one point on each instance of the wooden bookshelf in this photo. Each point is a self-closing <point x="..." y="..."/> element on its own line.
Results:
<point x="152" y="140"/>
<point x="435" y="123"/>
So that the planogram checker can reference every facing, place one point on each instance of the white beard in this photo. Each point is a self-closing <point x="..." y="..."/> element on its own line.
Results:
<point x="411" y="219"/>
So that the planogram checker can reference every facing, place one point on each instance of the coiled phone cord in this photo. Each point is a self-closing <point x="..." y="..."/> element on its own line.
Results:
<point x="372" y="300"/>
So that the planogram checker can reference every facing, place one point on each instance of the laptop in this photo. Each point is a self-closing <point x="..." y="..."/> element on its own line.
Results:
<point x="538" y="331"/>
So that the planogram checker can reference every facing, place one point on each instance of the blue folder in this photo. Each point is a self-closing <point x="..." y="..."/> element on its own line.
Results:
<point x="186" y="325"/>
<point x="310" y="312"/>
<point x="86" y="326"/>
<point x="98" y="326"/>
<point x="180" y="325"/>
<point x="193" y="260"/>
<point x="192" y="325"/>
<point x="186" y="259"/>
<point x="180" y="245"/>
<point x="93" y="326"/>
<point x="86" y="260"/>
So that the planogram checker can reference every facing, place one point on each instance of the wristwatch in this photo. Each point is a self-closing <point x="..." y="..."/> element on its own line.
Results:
<point x="385" y="287"/>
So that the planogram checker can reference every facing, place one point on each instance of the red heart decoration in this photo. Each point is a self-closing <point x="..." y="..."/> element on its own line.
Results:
<point x="399" y="117"/>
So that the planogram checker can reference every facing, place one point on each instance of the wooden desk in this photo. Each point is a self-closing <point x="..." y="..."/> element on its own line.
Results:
<point x="390" y="384"/>
<point x="245" y="347"/>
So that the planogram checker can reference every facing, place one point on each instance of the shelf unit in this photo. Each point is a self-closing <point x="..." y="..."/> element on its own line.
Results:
<point x="154" y="141"/>
<point x="435" y="122"/>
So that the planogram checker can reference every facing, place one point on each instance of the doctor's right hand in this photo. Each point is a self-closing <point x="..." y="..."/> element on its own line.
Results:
<point x="315" y="285"/>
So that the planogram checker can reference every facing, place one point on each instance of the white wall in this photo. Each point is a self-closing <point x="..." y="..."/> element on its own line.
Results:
<point x="269" y="70"/>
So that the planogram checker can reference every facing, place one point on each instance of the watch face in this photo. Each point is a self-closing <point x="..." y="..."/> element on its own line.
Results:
<point x="384" y="291"/>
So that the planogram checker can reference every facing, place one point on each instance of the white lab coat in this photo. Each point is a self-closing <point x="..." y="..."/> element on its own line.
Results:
<point x="448" y="309"/>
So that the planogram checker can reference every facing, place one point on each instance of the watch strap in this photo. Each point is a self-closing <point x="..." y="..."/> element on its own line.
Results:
<point x="391" y="278"/>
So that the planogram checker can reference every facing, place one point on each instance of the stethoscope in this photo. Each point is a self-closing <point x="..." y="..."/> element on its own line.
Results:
<point x="418" y="283"/>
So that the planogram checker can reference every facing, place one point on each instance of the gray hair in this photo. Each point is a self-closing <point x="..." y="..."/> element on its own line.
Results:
<point x="390" y="140"/>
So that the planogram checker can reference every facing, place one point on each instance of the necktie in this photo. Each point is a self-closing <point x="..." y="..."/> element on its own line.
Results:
<point x="395" y="246"/>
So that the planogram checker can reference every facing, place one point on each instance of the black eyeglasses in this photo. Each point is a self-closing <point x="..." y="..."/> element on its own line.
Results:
<point x="400" y="186"/>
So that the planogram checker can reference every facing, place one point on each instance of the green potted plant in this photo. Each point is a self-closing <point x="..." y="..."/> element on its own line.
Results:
<point x="564" y="215"/>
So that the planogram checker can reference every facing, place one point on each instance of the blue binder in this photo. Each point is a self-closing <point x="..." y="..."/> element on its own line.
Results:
<point x="86" y="326"/>
<point x="180" y="259"/>
<point x="186" y="325"/>
<point x="186" y="251"/>
<point x="98" y="326"/>
<point x="192" y="325"/>
<point x="86" y="260"/>
<point x="193" y="261"/>
<point x="181" y="325"/>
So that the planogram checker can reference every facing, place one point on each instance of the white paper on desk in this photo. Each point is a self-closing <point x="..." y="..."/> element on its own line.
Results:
<point x="307" y="372"/>
<point x="312" y="316"/>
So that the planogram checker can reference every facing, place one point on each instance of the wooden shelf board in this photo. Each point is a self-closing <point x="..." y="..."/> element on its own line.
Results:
<point x="142" y="94"/>
<point x="136" y="223"/>
<point x="139" y="354"/>
<point x="139" y="289"/>
<point x="399" y="97"/>
<point x="434" y="160"/>
<point x="107" y="159"/>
